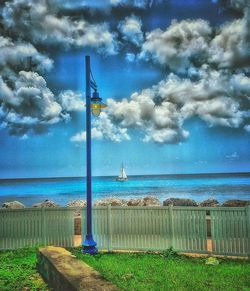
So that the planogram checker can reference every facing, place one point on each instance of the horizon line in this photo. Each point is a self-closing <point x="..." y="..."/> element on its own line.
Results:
<point x="137" y="175"/>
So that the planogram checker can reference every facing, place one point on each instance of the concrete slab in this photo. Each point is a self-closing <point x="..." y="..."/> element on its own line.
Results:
<point x="63" y="272"/>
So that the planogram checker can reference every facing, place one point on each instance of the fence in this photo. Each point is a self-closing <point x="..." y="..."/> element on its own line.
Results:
<point x="186" y="229"/>
<point x="134" y="228"/>
<point x="231" y="231"/>
<point x="36" y="226"/>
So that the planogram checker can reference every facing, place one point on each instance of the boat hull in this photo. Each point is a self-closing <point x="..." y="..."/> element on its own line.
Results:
<point x="121" y="179"/>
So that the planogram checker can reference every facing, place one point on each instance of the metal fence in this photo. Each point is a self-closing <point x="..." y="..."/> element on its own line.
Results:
<point x="186" y="229"/>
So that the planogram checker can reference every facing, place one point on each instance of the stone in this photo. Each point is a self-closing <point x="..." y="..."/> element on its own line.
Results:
<point x="236" y="203"/>
<point x="13" y="205"/>
<point x="151" y="201"/>
<point x="76" y="203"/>
<point x="46" y="203"/>
<point x="146" y="201"/>
<point x="111" y="201"/>
<point x="135" y="202"/>
<point x="210" y="203"/>
<point x="212" y="261"/>
<point x="179" y="202"/>
<point x="63" y="272"/>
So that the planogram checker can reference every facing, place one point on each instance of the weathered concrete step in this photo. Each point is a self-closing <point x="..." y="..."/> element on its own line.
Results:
<point x="63" y="272"/>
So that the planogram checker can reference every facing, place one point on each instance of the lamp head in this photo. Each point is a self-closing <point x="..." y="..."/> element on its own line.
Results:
<point x="96" y="104"/>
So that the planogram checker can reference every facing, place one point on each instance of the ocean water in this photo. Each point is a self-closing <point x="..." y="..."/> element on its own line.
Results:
<point x="61" y="190"/>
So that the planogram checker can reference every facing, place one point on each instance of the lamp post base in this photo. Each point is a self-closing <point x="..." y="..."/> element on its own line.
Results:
<point x="89" y="245"/>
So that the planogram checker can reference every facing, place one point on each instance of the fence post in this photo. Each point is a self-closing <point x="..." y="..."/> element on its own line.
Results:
<point x="109" y="227"/>
<point x="43" y="226"/>
<point x="248" y="228"/>
<point x="171" y="224"/>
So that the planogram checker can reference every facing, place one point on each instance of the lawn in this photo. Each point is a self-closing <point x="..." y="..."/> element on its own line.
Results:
<point x="133" y="271"/>
<point x="18" y="271"/>
<point x="130" y="271"/>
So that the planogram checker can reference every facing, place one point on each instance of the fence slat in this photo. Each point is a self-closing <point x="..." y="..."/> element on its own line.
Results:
<point x="229" y="231"/>
<point x="32" y="227"/>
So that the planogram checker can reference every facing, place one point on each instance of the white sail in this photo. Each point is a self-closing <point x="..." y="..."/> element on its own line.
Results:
<point x="122" y="176"/>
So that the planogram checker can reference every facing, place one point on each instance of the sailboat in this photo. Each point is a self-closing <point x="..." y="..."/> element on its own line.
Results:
<point x="122" y="177"/>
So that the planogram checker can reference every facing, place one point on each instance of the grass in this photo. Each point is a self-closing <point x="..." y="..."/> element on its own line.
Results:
<point x="18" y="271"/>
<point x="133" y="271"/>
<point x="147" y="271"/>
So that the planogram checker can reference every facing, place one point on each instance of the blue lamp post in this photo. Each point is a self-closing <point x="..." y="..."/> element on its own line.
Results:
<point x="93" y="104"/>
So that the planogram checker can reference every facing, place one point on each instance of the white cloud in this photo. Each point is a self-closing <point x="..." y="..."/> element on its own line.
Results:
<point x="34" y="107"/>
<point x="222" y="111"/>
<point x="109" y="130"/>
<point x="135" y="3"/>
<point x="247" y="127"/>
<point x="103" y="128"/>
<point x="159" y="123"/>
<point x="231" y="46"/>
<point x="81" y="136"/>
<point x="239" y="5"/>
<point x="40" y="23"/>
<point x="233" y="156"/>
<point x="22" y="55"/>
<point x="130" y="57"/>
<point x="187" y="45"/>
<point x="131" y="30"/>
<point x="132" y="3"/>
<point x="160" y="111"/>
<point x="26" y="102"/>
<point x="178" y="44"/>
<point x="71" y="101"/>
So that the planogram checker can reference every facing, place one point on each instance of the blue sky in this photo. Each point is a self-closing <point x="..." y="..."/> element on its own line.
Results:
<point x="200" y="124"/>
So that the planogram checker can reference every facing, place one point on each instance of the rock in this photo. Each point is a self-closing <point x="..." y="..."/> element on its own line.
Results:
<point x="212" y="261"/>
<point x="76" y="203"/>
<point x="13" y="205"/>
<point x="179" y="202"/>
<point x="146" y="201"/>
<point x="236" y="203"/>
<point x="111" y="201"/>
<point x="46" y="203"/>
<point x="210" y="203"/>
<point x="135" y="202"/>
<point x="151" y="201"/>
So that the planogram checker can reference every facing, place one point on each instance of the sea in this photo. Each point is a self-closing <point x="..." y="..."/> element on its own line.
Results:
<point x="62" y="190"/>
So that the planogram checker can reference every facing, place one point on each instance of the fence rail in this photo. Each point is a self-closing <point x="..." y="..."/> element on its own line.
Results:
<point x="185" y="229"/>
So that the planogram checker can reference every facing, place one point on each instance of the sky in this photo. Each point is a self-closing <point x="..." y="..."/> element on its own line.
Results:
<point x="174" y="74"/>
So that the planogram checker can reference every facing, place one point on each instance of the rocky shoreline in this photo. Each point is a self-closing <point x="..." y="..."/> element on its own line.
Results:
<point x="146" y="201"/>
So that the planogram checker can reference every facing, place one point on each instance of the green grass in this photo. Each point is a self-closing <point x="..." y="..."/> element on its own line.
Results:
<point x="18" y="271"/>
<point x="130" y="271"/>
<point x="133" y="271"/>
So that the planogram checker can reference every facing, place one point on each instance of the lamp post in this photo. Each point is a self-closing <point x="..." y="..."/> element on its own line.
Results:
<point x="94" y="105"/>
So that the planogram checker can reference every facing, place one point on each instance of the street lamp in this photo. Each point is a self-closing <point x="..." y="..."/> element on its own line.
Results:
<point x="93" y="104"/>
